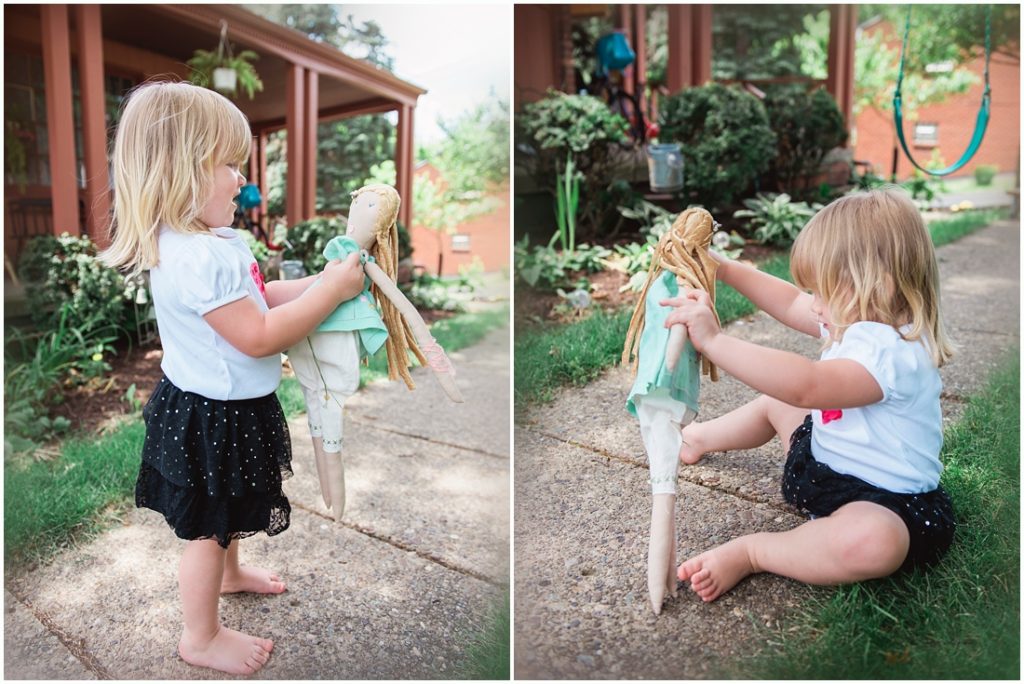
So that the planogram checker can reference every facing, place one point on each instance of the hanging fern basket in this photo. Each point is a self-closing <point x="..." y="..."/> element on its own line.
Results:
<point x="225" y="80"/>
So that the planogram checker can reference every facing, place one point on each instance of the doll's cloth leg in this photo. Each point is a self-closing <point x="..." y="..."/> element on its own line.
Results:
<point x="661" y="428"/>
<point x="301" y="359"/>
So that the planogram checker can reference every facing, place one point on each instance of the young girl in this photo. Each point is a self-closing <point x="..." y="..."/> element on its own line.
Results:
<point x="863" y="424"/>
<point x="217" y="445"/>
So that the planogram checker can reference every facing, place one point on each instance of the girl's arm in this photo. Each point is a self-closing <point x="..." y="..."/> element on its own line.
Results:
<point x="257" y="333"/>
<point x="794" y="379"/>
<point x="419" y="329"/>
<point x="283" y="291"/>
<point x="781" y="300"/>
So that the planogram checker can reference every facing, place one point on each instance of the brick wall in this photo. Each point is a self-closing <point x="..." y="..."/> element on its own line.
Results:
<point x="955" y="117"/>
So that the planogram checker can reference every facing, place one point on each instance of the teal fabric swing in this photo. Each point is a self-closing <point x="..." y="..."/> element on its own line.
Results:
<point x="983" y="113"/>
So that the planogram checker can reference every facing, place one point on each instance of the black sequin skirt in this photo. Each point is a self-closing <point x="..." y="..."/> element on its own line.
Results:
<point x="214" y="468"/>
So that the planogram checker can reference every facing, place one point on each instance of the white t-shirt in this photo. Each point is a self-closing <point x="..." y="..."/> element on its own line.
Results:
<point x="895" y="443"/>
<point x="198" y="273"/>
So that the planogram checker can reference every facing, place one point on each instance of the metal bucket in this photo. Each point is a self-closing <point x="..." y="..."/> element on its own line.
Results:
<point x="292" y="270"/>
<point x="665" y="167"/>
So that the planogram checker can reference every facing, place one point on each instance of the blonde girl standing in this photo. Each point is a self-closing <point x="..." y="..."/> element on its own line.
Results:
<point x="863" y="423"/>
<point x="217" y="445"/>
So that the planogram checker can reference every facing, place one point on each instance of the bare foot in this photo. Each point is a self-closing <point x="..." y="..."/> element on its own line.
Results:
<point x="228" y="651"/>
<point x="693" y="444"/>
<point x="255" y="580"/>
<point x="715" y="572"/>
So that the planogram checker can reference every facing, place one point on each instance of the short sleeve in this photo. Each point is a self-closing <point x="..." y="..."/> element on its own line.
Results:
<point x="871" y="345"/>
<point x="209" y="277"/>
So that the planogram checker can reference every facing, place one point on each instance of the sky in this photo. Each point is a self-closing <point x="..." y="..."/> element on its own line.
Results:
<point x="458" y="53"/>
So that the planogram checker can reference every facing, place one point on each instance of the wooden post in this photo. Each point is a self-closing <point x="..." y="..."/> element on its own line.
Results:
<point x="312" y="116"/>
<point x="701" y="41"/>
<point x="295" y="124"/>
<point x="689" y="39"/>
<point x="841" y="43"/>
<point x="404" y="163"/>
<point x="60" y="125"/>
<point x="626" y="26"/>
<point x="640" y="72"/>
<point x="94" y="123"/>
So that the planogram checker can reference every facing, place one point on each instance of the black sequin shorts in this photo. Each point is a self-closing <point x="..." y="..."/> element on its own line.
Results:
<point x="214" y="468"/>
<point x="816" y="488"/>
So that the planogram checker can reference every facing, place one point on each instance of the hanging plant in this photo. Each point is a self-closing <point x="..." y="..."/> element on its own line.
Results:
<point x="223" y="71"/>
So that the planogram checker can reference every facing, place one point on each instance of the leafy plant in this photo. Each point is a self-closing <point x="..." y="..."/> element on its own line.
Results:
<point x="545" y="267"/>
<point x="306" y="240"/>
<point x="726" y="140"/>
<point x="204" y="62"/>
<point x="583" y="126"/>
<point x="920" y="186"/>
<point x="567" y="202"/>
<point x="984" y="173"/>
<point x="60" y="270"/>
<point x="433" y="293"/>
<point x="807" y="126"/>
<point x="653" y="220"/>
<point x="776" y="219"/>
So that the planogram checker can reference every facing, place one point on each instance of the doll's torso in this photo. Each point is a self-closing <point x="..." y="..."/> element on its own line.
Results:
<point x="359" y="314"/>
<point x="653" y="376"/>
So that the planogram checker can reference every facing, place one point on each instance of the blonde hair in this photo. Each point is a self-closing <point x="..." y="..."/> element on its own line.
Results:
<point x="170" y="139"/>
<point x="870" y="257"/>
<point x="683" y="250"/>
<point x="385" y="251"/>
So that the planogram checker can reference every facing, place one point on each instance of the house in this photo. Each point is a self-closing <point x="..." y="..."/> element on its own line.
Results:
<point x="948" y="126"/>
<point x="483" y="239"/>
<point x="67" y="68"/>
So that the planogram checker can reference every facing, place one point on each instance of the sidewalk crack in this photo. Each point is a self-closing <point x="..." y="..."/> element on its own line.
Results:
<point x="643" y="465"/>
<point x="398" y="544"/>
<point x="74" y="644"/>
<point x="372" y="423"/>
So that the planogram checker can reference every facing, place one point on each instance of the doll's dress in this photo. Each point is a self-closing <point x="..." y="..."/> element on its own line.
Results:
<point x="663" y="401"/>
<point x="326" y="362"/>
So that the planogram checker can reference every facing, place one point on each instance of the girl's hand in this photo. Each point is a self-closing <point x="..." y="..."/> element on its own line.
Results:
<point x="344" y="278"/>
<point x="693" y="309"/>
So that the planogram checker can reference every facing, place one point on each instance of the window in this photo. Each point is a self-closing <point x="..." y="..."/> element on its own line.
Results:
<point x="926" y="134"/>
<point x="460" y="242"/>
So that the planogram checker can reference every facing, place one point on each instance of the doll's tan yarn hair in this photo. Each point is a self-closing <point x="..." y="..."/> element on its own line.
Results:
<point x="385" y="251"/>
<point x="683" y="250"/>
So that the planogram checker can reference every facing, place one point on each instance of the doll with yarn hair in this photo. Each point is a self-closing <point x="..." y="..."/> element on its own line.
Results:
<point x="326" y="362"/>
<point x="667" y="379"/>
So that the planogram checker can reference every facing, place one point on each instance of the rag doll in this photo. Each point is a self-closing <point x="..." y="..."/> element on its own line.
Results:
<point x="326" y="362"/>
<point x="667" y="379"/>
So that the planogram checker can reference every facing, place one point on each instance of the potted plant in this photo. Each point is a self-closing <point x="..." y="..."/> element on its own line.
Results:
<point x="224" y="71"/>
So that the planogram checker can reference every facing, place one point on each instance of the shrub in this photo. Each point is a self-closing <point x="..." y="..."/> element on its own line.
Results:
<point x="306" y="240"/>
<point x="65" y="270"/>
<point x="776" y="219"/>
<point x="725" y="137"/>
<point x="984" y="173"/>
<point x="581" y="126"/>
<point x="807" y="126"/>
<point x="547" y="268"/>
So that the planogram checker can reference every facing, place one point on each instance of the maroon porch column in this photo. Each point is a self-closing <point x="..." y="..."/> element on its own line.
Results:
<point x="264" y="185"/>
<point x="404" y="163"/>
<point x="94" y="123"/>
<point x="626" y="26"/>
<point x="640" y="47"/>
<point x="689" y="40"/>
<point x="841" y="39"/>
<point x="295" y="124"/>
<point x="59" y="120"/>
<point x="311" y="110"/>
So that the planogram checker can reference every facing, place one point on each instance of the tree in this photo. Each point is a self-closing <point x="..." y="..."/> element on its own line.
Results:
<point x="472" y="159"/>
<point x="347" y="150"/>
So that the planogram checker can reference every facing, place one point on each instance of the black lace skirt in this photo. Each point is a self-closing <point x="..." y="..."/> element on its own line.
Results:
<point x="214" y="468"/>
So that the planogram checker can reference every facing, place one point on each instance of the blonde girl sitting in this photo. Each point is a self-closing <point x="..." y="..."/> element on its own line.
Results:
<point x="217" y="445"/>
<point x="863" y="424"/>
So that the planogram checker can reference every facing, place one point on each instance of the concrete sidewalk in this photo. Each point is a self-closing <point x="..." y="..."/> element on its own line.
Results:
<point x="393" y="592"/>
<point x="582" y="501"/>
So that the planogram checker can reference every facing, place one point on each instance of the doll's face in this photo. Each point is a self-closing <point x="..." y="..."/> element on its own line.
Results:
<point x="362" y="218"/>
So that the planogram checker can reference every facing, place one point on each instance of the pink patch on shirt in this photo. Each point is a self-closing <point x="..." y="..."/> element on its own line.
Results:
<point x="830" y="415"/>
<point x="254" y="271"/>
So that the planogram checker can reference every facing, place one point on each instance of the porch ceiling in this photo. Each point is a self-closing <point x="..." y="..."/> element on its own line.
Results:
<point x="175" y="31"/>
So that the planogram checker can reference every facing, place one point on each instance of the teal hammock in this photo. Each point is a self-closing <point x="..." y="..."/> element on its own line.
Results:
<point x="984" y="112"/>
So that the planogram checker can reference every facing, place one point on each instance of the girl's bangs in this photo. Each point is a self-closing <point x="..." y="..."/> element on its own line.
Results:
<point x="234" y="139"/>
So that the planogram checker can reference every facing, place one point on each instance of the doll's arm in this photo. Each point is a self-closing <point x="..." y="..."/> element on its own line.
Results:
<point x="437" y="360"/>
<point x="676" y="340"/>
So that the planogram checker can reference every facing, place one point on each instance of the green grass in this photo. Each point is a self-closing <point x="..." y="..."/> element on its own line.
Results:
<point x="958" y="225"/>
<point x="489" y="651"/>
<point x="556" y="355"/>
<point x="457" y="332"/>
<point x="1001" y="181"/>
<point x="49" y="503"/>
<point x="961" y="620"/>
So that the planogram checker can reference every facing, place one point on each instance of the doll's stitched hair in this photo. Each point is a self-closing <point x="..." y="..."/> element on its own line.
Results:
<point x="682" y="250"/>
<point x="170" y="138"/>
<point x="385" y="252"/>
<point x="870" y="257"/>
